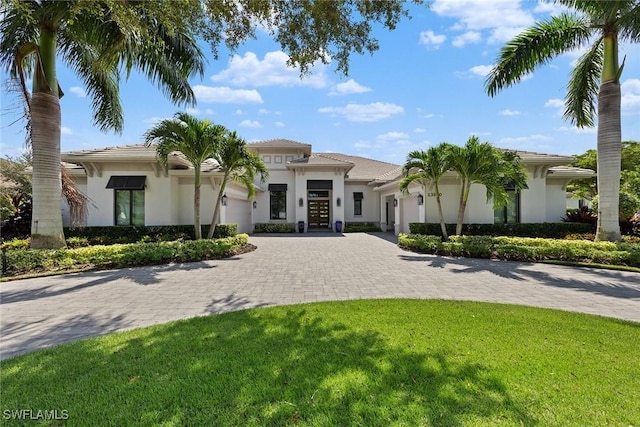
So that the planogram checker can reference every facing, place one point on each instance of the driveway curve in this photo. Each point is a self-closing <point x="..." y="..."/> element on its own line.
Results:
<point x="290" y="269"/>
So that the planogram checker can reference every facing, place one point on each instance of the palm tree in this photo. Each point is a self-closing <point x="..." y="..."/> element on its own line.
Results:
<point x="237" y="164"/>
<point x="481" y="163"/>
<point x="599" y="25"/>
<point x="196" y="139"/>
<point x="427" y="168"/>
<point x="97" y="40"/>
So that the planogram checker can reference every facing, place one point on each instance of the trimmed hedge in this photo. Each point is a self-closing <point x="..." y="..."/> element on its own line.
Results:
<point x="360" y="227"/>
<point x="21" y="262"/>
<point x="264" y="227"/>
<point x="551" y="230"/>
<point x="149" y="233"/>
<point x="525" y="249"/>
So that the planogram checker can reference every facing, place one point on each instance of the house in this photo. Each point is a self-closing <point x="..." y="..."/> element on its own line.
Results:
<point x="127" y="186"/>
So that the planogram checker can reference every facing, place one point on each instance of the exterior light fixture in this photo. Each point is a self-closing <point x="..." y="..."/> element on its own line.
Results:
<point x="301" y="202"/>
<point x="420" y="199"/>
<point x="255" y="204"/>
<point x="224" y="200"/>
<point x="338" y="201"/>
<point x="395" y="203"/>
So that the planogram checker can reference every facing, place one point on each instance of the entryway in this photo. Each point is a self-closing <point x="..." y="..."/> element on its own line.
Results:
<point x="318" y="211"/>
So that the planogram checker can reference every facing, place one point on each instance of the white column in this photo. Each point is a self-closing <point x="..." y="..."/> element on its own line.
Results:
<point x="396" y="214"/>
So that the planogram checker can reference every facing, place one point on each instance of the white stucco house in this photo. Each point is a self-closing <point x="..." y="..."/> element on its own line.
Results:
<point x="127" y="185"/>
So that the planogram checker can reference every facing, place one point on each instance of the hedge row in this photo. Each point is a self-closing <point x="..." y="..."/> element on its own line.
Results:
<point x="149" y="233"/>
<point x="264" y="227"/>
<point x="21" y="262"/>
<point x="551" y="230"/>
<point x="525" y="249"/>
<point x="361" y="227"/>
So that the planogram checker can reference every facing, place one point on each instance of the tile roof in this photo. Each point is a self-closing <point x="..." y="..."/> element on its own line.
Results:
<point x="280" y="143"/>
<point x="320" y="160"/>
<point x="533" y="157"/>
<point x="363" y="168"/>
<point x="127" y="153"/>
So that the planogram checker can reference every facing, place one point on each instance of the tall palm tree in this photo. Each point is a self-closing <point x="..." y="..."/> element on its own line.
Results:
<point x="427" y="168"/>
<point x="481" y="163"/>
<point x="598" y="25"/>
<point x="238" y="164"/>
<point x="196" y="139"/>
<point x="97" y="40"/>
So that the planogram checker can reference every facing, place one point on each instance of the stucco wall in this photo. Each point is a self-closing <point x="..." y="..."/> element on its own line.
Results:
<point x="370" y="203"/>
<point x="278" y="176"/>
<point x="409" y="211"/>
<point x="556" y="201"/>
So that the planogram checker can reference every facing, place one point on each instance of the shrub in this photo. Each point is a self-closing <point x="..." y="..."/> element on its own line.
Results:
<point x="554" y="230"/>
<point x="150" y="233"/>
<point x="225" y="230"/>
<point x="121" y="255"/>
<point x="582" y="214"/>
<point x="628" y="205"/>
<point x="288" y="227"/>
<point x="361" y="227"/>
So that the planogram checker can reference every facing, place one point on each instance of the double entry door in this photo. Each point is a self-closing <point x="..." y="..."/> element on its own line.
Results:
<point x="318" y="213"/>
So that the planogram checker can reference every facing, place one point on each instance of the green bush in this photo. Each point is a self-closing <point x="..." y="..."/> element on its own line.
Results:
<point x="526" y="249"/>
<point x="361" y="227"/>
<point x="224" y="230"/>
<point x="551" y="230"/>
<point x="263" y="227"/>
<point x="21" y="262"/>
<point x="150" y="233"/>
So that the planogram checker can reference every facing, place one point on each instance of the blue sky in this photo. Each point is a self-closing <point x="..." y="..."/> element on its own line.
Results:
<point x="425" y="85"/>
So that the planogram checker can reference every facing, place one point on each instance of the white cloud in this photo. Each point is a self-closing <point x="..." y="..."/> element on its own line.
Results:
<point x="279" y="124"/>
<point x="470" y="37"/>
<point x="193" y="111"/>
<point x="429" y="38"/>
<point x="239" y="112"/>
<point x="630" y="94"/>
<point x="480" y="70"/>
<point x="225" y="95"/>
<point x="155" y="120"/>
<point x="554" y="103"/>
<point x="362" y="144"/>
<point x="272" y="70"/>
<point x="392" y="136"/>
<point x="364" y="112"/>
<point x="575" y="129"/>
<point x="78" y="91"/>
<point x="263" y="111"/>
<point x="508" y="112"/>
<point x="348" y="87"/>
<point x="250" y="124"/>
<point x="419" y="130"/>
<point x="523" y="140"/>
<point x="209" y="111"/>
<point x="429" y="116"/>
<point x="66" y="131"/>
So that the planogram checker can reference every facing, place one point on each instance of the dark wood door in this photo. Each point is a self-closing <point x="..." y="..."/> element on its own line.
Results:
<point x="318" y="213"/>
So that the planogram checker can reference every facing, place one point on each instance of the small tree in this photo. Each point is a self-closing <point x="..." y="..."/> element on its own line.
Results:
<point x="426" y="168"/>
<point x="481" y="163"/>
<point x="238" y="164"/>
<point x="196" y="139"/>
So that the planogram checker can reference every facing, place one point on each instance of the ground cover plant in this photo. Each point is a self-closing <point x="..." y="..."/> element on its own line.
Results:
<point x="526" y="249"/>
<point x="370" y="362"/>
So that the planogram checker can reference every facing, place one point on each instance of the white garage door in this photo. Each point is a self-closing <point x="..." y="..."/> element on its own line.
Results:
<point x="239" y="212"/>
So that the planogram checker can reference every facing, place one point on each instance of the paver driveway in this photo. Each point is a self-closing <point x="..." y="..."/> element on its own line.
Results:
<point x="290" y="269"/>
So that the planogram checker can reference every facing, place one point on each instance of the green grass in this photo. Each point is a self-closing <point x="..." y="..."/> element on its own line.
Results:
<point x="369" y="363"/>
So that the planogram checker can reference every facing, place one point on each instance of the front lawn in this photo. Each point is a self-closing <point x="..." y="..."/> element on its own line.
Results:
<point x="369" y="363"/>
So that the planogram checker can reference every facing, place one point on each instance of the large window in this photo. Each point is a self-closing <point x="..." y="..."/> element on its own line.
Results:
<point x="509" y="214"/>
<point x="129" y="199"/>
<point x="278" y="201"/>
<point x="357" y="203"/>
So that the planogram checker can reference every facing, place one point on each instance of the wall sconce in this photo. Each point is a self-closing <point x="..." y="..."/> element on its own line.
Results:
<point x="420" y="199"/>
<point x="224" y="200"/>
<point x="395" y="203"/>
<point x="301" y="202"/>
<point x="255" y="204"/>
<point x="338" y="201"/>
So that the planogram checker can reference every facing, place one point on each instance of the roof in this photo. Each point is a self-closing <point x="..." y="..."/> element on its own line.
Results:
<point x="319" y="160"/>
<point x="570" y="172"/>
<point x="282" y="143"/>
<point x="364" y="169"/>
<point x="533" y="157"/>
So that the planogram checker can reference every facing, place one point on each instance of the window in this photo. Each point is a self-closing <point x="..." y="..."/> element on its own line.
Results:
<point x="510" y="213"/>
<point x="278" y="202"/>
<point x="129" y="199"/>
<point x="357" y="203"/>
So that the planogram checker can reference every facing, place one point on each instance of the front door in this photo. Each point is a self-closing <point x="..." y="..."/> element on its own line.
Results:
<point x="318" y="213"/>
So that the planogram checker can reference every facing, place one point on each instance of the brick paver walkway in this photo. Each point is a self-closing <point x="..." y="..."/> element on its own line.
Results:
<point x="289" y="269"/>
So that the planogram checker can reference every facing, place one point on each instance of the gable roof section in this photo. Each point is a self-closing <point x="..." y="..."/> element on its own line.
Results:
<point x="281" y="144"/>
<point x="319" y="161"/>
<point x="363" y="169"/>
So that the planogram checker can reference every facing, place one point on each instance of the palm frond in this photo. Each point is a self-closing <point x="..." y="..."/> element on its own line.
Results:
<point x="536" y="46"/>
<point x="582" y="90"/>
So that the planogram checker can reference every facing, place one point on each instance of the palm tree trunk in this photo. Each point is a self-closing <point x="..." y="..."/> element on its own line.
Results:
<point x="609" y="160"/>
<point x="46" y="119"/>
<point x="216" y="208"/>
<point x="196" y="203"/>
<point x="443" y="226"/>
<point x="46" y="223"/>
<point x="464" y="196"/>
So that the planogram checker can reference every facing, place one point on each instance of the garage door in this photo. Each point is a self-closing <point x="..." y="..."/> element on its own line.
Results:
<point x="239" y="212"/>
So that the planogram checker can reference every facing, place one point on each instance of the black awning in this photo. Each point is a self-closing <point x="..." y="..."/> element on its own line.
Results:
<point x="358" y="196"/>
<point x="126" y="182"/>
<point x="277" y="187"/>
<point x="319" y="184"/>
